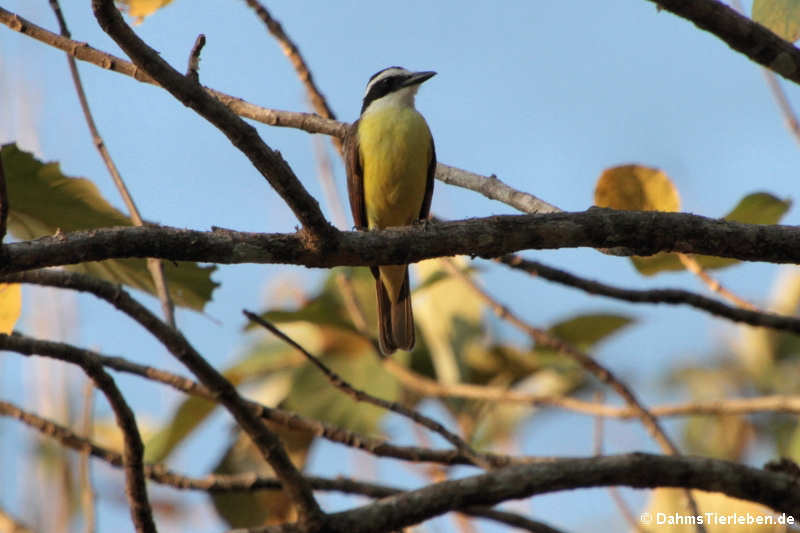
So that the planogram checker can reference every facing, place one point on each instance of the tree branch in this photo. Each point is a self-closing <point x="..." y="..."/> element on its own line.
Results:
<point x="638" y="470"/>
<point x="292" y="52"/>
<point x="242" y="135"/>
<point x="740" y="33"/>
<point x="654" y="296"/>
<point x="644" y="233"/>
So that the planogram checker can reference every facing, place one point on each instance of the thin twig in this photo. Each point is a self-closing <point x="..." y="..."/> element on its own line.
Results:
<point x="292" y="52"/>
<point x="789" y="116"/>
<point x="604" y="375"/>
<point x="714" y="285"/>
<point x="326" y="179"/>
<point x="361" y="396"/>
<point x="494" y="189"/>
<point x="84" y="472"/>
<point x="194" y="58"/>
<point x="653" y="296"/>
<point x="154" y="266"/>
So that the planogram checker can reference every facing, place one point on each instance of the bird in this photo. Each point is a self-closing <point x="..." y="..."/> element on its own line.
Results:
<point x="391" y="160"/>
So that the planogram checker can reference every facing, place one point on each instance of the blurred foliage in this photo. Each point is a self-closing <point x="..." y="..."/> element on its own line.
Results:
<point x="780" y="16"/>
<point x="45" y="202"/>
<point x="454" y="345"/>
<point x="265" y="507"/>
<point x="753" y="362"/>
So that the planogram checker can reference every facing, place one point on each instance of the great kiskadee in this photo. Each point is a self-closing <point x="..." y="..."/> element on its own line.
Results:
<point x="390" y="166"/>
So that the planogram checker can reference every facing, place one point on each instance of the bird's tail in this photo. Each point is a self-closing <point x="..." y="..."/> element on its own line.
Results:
<point x="395" y="319"/>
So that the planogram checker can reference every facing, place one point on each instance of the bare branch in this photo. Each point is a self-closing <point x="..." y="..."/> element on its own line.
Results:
<point x="637" y="470"/>
<point x="644" y="233"/>
<point x="714" y="285"/>
<point x="194" y="59"/>
<point x="740" y="33"/>
<point x="292" y="52"/>
<point x="654" y="296"/>
<point x="245" y="137"/>
<point x="494" y="189"/>
<point x="132" y="458"/>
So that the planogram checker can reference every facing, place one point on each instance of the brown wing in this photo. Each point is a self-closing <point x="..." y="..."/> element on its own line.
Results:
<point x="355" y="177"/>
<point x="426" y="201"/>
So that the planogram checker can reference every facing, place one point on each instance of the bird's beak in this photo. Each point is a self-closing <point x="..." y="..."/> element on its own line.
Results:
<point x="418" y="77"/>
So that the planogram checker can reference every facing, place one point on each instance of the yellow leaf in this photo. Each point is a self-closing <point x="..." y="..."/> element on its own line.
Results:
<point x="143" y="8"/>
<point x="10" y="306"/>
<point x="636" y="188"/>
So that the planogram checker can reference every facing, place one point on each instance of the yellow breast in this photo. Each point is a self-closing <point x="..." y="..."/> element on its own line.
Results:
<point x="395" y="146"/>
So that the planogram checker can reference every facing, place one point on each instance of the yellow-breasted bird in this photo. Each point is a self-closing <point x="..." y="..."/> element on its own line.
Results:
<point x="391" y="161"/>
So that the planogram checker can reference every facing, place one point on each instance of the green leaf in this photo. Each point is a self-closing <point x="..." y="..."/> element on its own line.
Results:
<point x="312" y="395"/>
<point x="589" y="329"/>
<point x="43" y="201"/>
<point x="755" y="208"/>
<point x="759" y="208"/>
<point x="323" y="310"/>
<point x="780" y="16"/>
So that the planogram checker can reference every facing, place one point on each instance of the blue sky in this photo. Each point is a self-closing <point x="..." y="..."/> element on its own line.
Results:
<point x="545" y="94"/>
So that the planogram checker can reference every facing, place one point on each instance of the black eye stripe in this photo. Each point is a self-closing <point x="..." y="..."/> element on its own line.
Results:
<point x="382" y="88"/>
